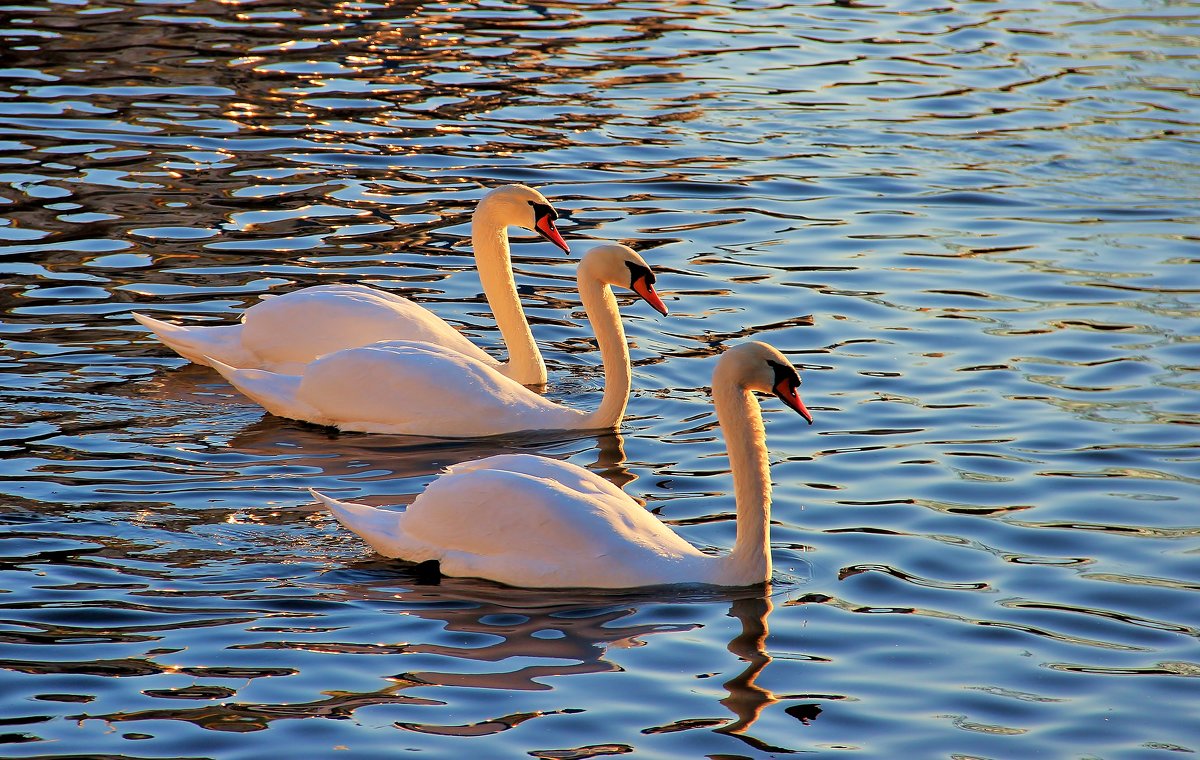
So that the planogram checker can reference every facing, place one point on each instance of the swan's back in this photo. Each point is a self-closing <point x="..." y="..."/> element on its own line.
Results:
<point x="288" y="331"/>
<point x="570" y="475"/>
<point x="422" y="389"/>
<point x="531" y="521"/>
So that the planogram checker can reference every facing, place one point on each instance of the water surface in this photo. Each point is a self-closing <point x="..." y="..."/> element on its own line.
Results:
<point x="972" y="226"/>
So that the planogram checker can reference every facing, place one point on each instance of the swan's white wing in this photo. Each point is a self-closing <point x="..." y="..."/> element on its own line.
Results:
<point x="222" y="342"/>
<point x="570" y="475"/>
<point x="381" y="528"/>
<point x="517" y="527"/>
<point x="278" y="394"/>
<point x="288" y="331"/>
<point x="422" y="389"/>
<point x="284" y="333"/>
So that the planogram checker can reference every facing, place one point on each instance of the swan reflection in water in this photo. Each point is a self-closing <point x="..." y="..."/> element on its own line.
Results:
<point x="566" y="633"/>
<point x="543" y="635"/>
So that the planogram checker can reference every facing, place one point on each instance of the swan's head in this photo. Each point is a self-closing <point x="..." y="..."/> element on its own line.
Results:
<point x="759" y="367"/>
<point x="616" y="264"/>
<point x="525" y="207"/>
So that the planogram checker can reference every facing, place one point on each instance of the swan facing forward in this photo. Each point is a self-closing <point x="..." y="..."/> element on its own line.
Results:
<point x="530" y="521"/>
<point x="416" y="388"/>
<point x="283" y="333"/>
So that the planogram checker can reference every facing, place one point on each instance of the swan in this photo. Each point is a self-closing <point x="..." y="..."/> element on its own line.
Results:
<point x="284" y="333"/>
<point x="529" y="521"/>
<point x="415" y="388"/>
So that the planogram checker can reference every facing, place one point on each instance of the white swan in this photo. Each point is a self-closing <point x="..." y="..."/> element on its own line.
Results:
<point x="284" y="333"/>
<point x="424" y="389"/>
<point x="530" y="521"/>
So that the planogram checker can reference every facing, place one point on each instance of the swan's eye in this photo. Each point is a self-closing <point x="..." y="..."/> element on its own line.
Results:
<point x="785" y="375"/>
<point x="639" y="272"/>
<point x="541" y="210"/>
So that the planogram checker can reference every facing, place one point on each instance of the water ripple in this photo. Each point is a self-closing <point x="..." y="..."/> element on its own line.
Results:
<point x="971" y="227"/>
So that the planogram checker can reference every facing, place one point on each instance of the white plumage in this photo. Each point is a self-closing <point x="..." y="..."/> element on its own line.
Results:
<point x="417" y="388"/>
<point x="535" y="522"/>
<point x="285" y="333"/>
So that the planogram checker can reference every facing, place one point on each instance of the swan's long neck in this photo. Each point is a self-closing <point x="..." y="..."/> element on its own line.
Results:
<point x="489" y="237"/>
<point x="602" y="313"/>
<point x="741" y="422"/>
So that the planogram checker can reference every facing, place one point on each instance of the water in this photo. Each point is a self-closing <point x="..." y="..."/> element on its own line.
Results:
<point x="973" y="226"/>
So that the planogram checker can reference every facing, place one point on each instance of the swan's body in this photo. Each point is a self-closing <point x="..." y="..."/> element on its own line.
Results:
<point x="530" y="521"/>
<point x="417" y="388"/>
<point x="285" y="333"/>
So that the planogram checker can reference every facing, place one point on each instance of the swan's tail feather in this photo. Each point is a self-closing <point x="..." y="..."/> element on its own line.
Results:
<point x="197" y="344"/>
<point x="378" y="527"/>
<point x="278" y="394"/>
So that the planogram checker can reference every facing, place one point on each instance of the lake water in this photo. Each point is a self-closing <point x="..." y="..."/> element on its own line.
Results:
<point x="973" y="226"/>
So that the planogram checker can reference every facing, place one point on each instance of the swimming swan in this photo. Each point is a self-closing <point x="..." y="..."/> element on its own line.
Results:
<point x="416" y="388"/>
<point x="284" y="333"/>
<point x="534" y="522"/>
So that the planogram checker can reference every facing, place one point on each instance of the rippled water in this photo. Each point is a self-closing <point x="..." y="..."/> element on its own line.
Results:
<point x="972" y="225"/>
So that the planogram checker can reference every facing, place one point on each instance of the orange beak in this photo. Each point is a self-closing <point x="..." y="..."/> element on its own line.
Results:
<point x="788" y="395"/>
<point x="649" y="295"/>
<point x="545" y="227"/>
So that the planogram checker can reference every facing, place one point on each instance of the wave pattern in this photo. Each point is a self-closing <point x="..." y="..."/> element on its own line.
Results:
<point x="973" y="226"/>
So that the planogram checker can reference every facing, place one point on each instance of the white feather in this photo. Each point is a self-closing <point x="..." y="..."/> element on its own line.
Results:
<point x="535" y="522"/>
<point x="284" y="333"/>
<point x="414" y="388"/>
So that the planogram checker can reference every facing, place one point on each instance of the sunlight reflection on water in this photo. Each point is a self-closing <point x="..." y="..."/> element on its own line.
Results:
<point x="972" y="227"/>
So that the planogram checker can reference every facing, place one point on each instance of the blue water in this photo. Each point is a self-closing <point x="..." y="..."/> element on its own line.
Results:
<point x="973" y="227"/>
